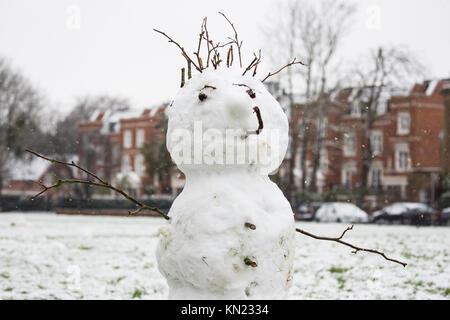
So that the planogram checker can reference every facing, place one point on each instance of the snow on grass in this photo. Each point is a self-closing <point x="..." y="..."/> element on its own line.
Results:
<point x="46" y="256"/>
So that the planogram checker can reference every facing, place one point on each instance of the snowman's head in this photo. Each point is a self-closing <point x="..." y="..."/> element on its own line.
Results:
<point x="222" y="120"/>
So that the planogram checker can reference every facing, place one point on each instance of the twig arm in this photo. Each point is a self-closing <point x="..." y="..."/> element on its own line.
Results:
<point x="102" y="183"/>
<point x="285" y="66"/>
<point x="355" y="248"/>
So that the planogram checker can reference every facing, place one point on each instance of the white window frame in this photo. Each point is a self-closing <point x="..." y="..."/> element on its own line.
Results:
<point x="355" y="108"/>
<point x="403" y="123"/>
<point x="126" y="163"/>
<point x="402" y="157"/>
<point x="376" y="142"/>
<point x="140" y="138"/>
<point x="346" y="177"/>
<point x="139" y="164"/>
<point x="382" y="107"/>
<point x="127" y="135"/>
<point x="349" y="149"/>
<point x="376" y="169"/>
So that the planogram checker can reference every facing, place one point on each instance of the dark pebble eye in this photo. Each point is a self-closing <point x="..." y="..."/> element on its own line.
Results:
<point x="251" y="93"/>
<point x="202" y="96"/>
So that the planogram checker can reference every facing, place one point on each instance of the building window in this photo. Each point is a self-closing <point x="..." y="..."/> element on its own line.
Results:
<point x="382" y="107"/>
<point x="140" y="138"/>
<point x="402" y="157"/>
<point x="322" y="126"/>
<point x="139" y="164"/>
<point x="127" y="139"/>
<point x="347" y="177"/>
<point x="125" y="163"/>
<point x="375" y="176"/>
<point x="403" y="123"/>
<point x="355" y="108"/>
<point x="376" y="142"/>
<point x="349" y="144"/>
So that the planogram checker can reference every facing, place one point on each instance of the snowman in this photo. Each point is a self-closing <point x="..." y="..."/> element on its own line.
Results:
<point x="231" y="230"/>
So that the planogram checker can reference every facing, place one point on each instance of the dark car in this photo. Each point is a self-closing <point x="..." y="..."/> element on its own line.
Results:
<point x="407" y="213"/>
<point x="444" y="217"/>
<point x="307" y="211"/>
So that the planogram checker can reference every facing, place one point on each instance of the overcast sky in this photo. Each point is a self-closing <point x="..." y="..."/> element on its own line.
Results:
<point x="73" y="48"/>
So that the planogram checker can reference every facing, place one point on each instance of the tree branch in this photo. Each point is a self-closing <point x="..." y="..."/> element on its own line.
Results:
<point x="235" y="40"/>
<point x="356" y="249"/>
<point x="102" y="183"/>
<point x="288" y="65"/>
<point x="183" y="52"/>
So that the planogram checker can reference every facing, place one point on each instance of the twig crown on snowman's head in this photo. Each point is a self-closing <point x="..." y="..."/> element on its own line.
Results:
<point x="213" y="57"/>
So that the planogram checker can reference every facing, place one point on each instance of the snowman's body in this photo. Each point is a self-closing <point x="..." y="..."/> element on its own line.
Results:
<point x="207" y="251"/>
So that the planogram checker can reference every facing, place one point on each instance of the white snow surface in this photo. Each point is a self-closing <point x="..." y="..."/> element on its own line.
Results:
<point x="341" y="211"/>
<point x="206" y="251"/>
<point x="45" y="256"/>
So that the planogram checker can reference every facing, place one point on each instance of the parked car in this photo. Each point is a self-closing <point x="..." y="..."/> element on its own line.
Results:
<point x="406" y="213"/>
<point x="341" y="212"/>
<point x="307" y="211"/>
<point x="444" y="217"/>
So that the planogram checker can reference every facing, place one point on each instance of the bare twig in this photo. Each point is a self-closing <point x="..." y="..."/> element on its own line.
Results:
<point x="199" y="59"/>
<point x="250" y="65"/>
<point x="189" y="70"/>
<point x="183" y="52"/>
<point x="260" y="121"/>
<point x="229" y="56"/>
<point x="208" y="86"/>
<point x="182" y="78"/>
<point x="356" y="249"/>
<point x="287" y="65"/>
<point x="102" y="183"/>
<point x="235" y="40"/>
<point x="254" y="64"/>
<point x="250" y="91"/>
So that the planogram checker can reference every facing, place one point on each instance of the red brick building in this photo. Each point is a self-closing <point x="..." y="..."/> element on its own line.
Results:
<point x="405" y="140"/>
<point x="112" y="144"/>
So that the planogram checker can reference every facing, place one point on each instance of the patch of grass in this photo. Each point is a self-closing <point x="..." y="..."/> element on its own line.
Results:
<point x="85" y="248"/>
<point x="338" y="270"/>
<point x="408" y="255"/>
<point x="116" y="281"/>
<point x="341" y="282"/>
<point x="433" y="291"/>
<point x="4" y="275"/>
<point x="446" y="291"/>
<point x="8" y="289"/>
<point x="138" y="293"/>
<point x="116" y="267"/>
<point x="41" y="287"/>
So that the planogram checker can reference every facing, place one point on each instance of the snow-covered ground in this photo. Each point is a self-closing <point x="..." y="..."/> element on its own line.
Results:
<point x="46" y="256"/>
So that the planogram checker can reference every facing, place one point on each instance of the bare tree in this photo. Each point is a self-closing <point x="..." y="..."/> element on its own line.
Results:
<point x="333" y="22"/>
<point x="20" y="106"/>
<point x="384" y="69"/>
<point x="312" y="31"/>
